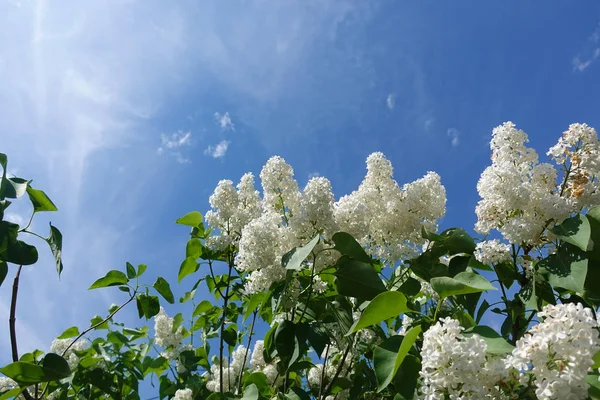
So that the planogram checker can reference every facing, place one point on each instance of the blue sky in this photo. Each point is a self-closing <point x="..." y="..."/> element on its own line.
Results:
<point x="129" y="112"/>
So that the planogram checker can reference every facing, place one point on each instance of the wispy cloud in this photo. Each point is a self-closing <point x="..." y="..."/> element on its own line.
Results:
<point x="454" y="135"/>
<point x="428" y="123"/>
<point x="391" y="101"/>
<point x="14" y="218"/>
<point x="171" y="143"/>
<point x="224" y="120"/>
<point x="313" y="175"/>
<point x="589" y="53"/>
<point x="76" y="106"/>
<point x="219" y="150"/>
<point x="175" y="140"/>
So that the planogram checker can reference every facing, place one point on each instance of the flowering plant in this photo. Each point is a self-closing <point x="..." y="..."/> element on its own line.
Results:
<point x="359" y="297"/>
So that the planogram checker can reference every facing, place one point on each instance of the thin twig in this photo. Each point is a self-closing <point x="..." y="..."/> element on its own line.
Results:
<point x="12" y="324"/>
<point x="247" y="349"/>
<point x="223" y="317"/>
<point x="339" y="368"/>
<point x="12" y="319"/>
<point x="90" y="329"/>
<point x="323" y="370"/>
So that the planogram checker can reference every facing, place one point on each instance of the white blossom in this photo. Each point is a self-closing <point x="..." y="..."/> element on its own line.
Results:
<point x="456" y="365"/>
<point x="183" y="394"/>
<point x="232" y="209"/>
<point x="58" y="346"/>
<point x="492" y="252"/>
<point x="230" y="372"/>
<point x="387" y="219"/>
<point x="280" y="189"/>
<point x="558" y="351"/>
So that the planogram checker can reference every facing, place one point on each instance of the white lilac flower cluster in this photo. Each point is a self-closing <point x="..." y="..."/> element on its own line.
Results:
<point x="386" y="218"/>
<point x="7" y="384"/>
<point x="166" y="336"/>
<point x="492" y="252"/>
<point x="231" y="372"/>
<point x="455" y="366"/>
<point x="558" y="352"/>
<point x="183" y="394"/>
<point x="258" y="363"/>
<point x="579" y="151"/>
<point x="232" y="209"/>
<point x="335" y="357"/>
<point x="555" y="355"/>
<point x="521" y="197"/>
<point x="58" y="346"/>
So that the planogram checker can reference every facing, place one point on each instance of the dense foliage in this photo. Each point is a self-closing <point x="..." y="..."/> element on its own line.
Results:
<point x="354" y="298"/>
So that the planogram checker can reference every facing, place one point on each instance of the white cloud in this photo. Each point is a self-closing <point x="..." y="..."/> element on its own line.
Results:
<point x="454" y="136"/>
<point x="180" y="158"/>
<point x="175" y="140"/>
<point x="74" y="96"/>
<point x="589" y="53"/>
<point x="224" y="120"/>
<point x="428" y="123"/>
<point x="313" y="175"/>
<point x="14" y="218"/>
<point x="219" y="150"/>
<point x="391" y="101"/>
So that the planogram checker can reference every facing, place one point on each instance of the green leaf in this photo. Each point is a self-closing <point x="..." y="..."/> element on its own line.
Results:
<point x="130" y="271"/>
<point x="13" y="393"/>
<point x="13" y="188"/>
<point x="202" y="307"/>
<point x="453" y="241"/>
<point x="406" y="379"/>
<point x="347" y="245"/>
<point x="112" y="278"/>
<point x="410" y="287"/>
<point x="596" y="359"/>
<point x="193" y="219"/>
<point x="318" y="338"/>
<point x="253" y="303"/>
<point x="506" y="273"/>
<point x="286" y="343"/>
<point x="162" y="287"/>
<point x="575" y="230"/>
<point x="3" y="271"/>
<point x="55" y="243"/>
<point x="384" y="306"/>
<point x="296" y="393"/>
<point x="21" y="253"/>
<point x="69" y="333"/>
<point x="251" y="392"/>
<point x="357" y="279"/>
<point x="40" y="201"/>
<point x="495" y="343"/>
<point x="567" y="268"/>
<point x="188" y="266"/>
<point x="193" y="248"/>
<point x="148" y="306"/>
<point x="230" y="335"/>
<point x="463" y="283"/>
<point x="24" y="373"/>
<point x="593" y="380"/>
<point x="53" y="367"/>
<point x="482" y="309"/>
<point x="294" y="258"/>
<point x="141" y="269"/>
<point x="388" y="356"/>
